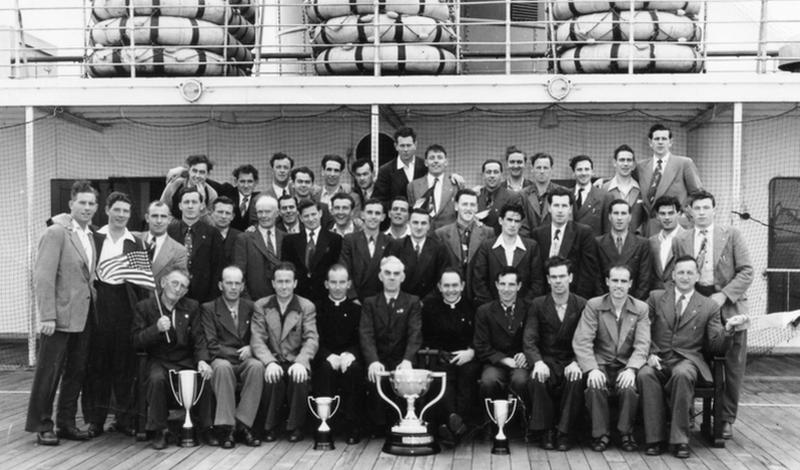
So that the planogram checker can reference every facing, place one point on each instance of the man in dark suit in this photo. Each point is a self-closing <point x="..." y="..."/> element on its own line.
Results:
<point x="258" y="252"/>
<point x="362" y="252"/>
<point x="203" y="244"/>
<point x="434" y="192"/>
<point x="285" y="339"/>
<point x="668" y="210"/>
<point x="169" y="330"/>
<point x="611" y="344"/>
<point x="363" y="171"/>
<point x="221" y="216"/>
<point x="312" y="251"/>
<point x="64" y="268"/>
<point x="535" y="195"/>
<point x="620" y="246"/>
<point x="590" y="201"/>
<point x="289" y="219"/>
<point x="555" y="386"/>
<point x="390" y="332"/>
<point x="493" y="195"/>
<point x="507" y="250"/>
<point x="226" y="326"/>
<point x="305" y="190"/>
<point x="281" y="184"/>
<point x="684" y="325"/>
<point x="571" y="240"/>
<point x="726" y="273"/>
<point x="394" y="176"/>
<point x="423" y="256"/>
<point x="242" y="196"/>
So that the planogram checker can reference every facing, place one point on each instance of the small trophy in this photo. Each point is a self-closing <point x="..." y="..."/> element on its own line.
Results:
<point x="410" y="436"/>
<point x="321" y="408"/>
<point x="187" y="398"/>
<point x="500" y="417"/>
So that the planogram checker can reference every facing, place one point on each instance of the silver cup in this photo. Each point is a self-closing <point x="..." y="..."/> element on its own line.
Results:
<point x="186" y="395"/>
<point x="321" y="408"/>
<point x="500" y="415"/>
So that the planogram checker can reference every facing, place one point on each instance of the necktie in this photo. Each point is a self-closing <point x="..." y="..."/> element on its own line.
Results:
<point x="243" y="206"/>
<point x="432" y="201"/>
<point x="465" y="247"/>
<point x="510" y="317"/>
<point x="579" y="199"/>
<point x="416" y="248"/>
<point x="371" y="246"/>
<point x="701" y="254"/>
<point x="270" y="246"/>
<point x="555" y="247"/>
<point x="235" y="316"/>
<point x="187" y="242"/>
<point x="309" y="250"/>
<point x="651" y="191"/>
<point x="151" y="249"/>
<point x="679" y="306"/>
<point x="391" y="305"/>
<point x="618" y="244"/>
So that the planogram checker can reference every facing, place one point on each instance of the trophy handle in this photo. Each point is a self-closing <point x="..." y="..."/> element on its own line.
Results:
<point x="172" y="386"/>
<point x="202" y="385"/>
<point x="338" y="400"/>
<point x="487" y="402"/>
<point x="311" y="407"/>
<point x="443" y="376"/>
<point x="381" y="375"/>
<point x="513" y="408"/>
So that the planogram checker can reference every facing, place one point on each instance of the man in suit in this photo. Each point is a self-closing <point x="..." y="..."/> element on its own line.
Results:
<point x="305" y="190"/>
<point x="242" y="196"/>
<point x="665" y="174"/>
<point x="204" y="247"/>
<point x="394" y="176"/>
<point x="516" y="161"/>
<point x="624" y="186"/>
<point x="571" y="240"/>
<point x="555" y="386"/>
<point x="285" y="339"/>
<point x="423" y="256"/>
<point x="343" y="212"/>
<point x="332" y="168"/>
<point x="725" y="275"/>
<point x="390" y="332"/>
<point x="280" y="185"/>
<point x="590" y="201"/>
<point x="399" y="212"/>
<point x="621" y="246"/>
<point x="684" y="325"/>
<point x="668" y="210"/>
<point x="193" y="175"/>
<point x="226" y="325"/>
<point x="168" y="329"/>
<point x="221" y="215"/>
<point x="611" y="344"/>
<point x="434" y="192"/>
<point x="363" y="171"/>
<point x="64" y="269"/>
<point x="258" y="252"/>
<point x="535" y="195"/>
<point x="507" y="250"/>
<point x="289" y="219"/>
<point x="165" y="253"/>
<point x="493" y="195"/>
<point x="362" y="252"/>
<point x="312" y="251"/>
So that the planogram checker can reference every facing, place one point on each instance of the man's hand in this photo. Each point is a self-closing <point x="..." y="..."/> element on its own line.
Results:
<point x="164" y="323"/>
<point x="273" y="372"/>
<point x="335" y="361"/>
<point x="374" y="369"/>
<point x="250" y="229"/>
<point x="719" y="298"/>
<point x="596" y="379"/>
<point x="626" y="378"/>
<point x="205" y="370"/>
<point x="462" y="357"/>
<point x="598" y="183"/>
<point x="345" y="360"/>
<point x="654" y="362"/>
<point x="48" y="327"/>
<point x="245" y="353"/>
<point x="298" y="372"/>
<point x="509" y="362"/>
<point x="520" y="360"/>
<point x="540" y="371"/>
<point x="737" y="322"/>
<point x="573" y="371"/>
<point x="457" y="180"/>
<point x="404" y="364"/>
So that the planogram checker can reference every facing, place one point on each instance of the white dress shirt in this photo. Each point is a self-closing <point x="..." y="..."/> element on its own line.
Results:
<point x="509" y="249"/>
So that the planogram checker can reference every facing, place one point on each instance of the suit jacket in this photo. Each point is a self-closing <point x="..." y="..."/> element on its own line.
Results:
<point x="598" y="341"/>
<point x="635" y="254"/>
<point x="494" y="340"/>
<point x="240" y="221"/>
<point x="187" y="343"/>
<point x="697" y="331"/>
<point x="171" y="255"/>
<point x="206" y="260"/>
<point x="270" y="191"/>
<point x="489" y="261"/>
<point x="446" y="328"/>
<point x="223" y="337"/>
<point x="62" y="278"/>
<point x="579" y="247"/>
<point x="363" y="269"/>
<point x="311" y="279"/>
<point x="594" y="210"/>
<point x="390" y="337"/>
<point x="392" y="181"/>
<point x="228" y="245"/>
<point x="548" y="339"/>
<point x="451" y="240"/>
<point x="423" y="271"/>
<point x="258" y="265"/>
<point x="292" y="337"/>
<point x="535" y="214"/>
<point x="634" y="198"/>
<point x="733" y="271"/>
<point x="338" y="328"/>
<point x="662" y="274"/>
<point x="679" y="178"/>
<point x="446" y="212"/>
<point x="492" y="202"/>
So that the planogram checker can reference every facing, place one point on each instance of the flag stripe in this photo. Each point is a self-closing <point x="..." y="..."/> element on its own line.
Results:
<point x="133" y="267"/>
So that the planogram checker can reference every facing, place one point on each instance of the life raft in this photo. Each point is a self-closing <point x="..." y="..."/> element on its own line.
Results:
<point x="394" y="28"/>
<point x="566" y="9"/>
<point x="214" y="11"/>
<point x="321" y="10"/>
<point x="159" y="62"/>
<point x="789" y="58"/>
<point x="616" y="26"/>
<point x="647" y="58"/>
<point x="396" y="59"/>
<point x="169" y="31"/>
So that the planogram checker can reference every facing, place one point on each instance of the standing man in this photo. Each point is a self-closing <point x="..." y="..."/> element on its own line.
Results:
<point x="611" y="344"/>
<point x="363" y="251"/>
<point x="342" y="210"/>
<point x="516" y="161"/>
<point x="394" y="176"/>
<point x="493" y="195"/>
<point x="332" y="167"/>
<point x="198" y="169"/>
<point x="621" y="246"/>
<point x="64" y="268"/>
<point x="364" y="174"/>
<point x="221" y="216"/>
<point x="242" y="195"/>
<point x="725" y="275"/>
<point x="590" y="201"/>
<point x="289" y="219"/>
<point x="535" y="195"/>
<point x="668" y="210"/>
<point x="624" y="186"/>
<point x="280" y="185"/>
<point x="434" y="192"/>
<point x="399" y="212"/>
<point x="165" y="253"/>
<point x="257" y="253"/>
<point x="304" y="190"/>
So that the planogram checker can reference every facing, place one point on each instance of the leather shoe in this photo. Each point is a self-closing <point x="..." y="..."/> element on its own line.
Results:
<point x="354" y="437"/>
<point x="600" y="444"/>
<point x="226" y="440"/>
<point x="209" y="438"/>
<point x="654" y="448"/>
<point x="296" y="435"/>
<point x="456" y="424"/>
<point x="628" y="443"/>
<point x="72" y="433"/>
<point x="681" y="451"/>
<point x="446" y="436"/>
<point x="160" y="440"/>
<point x="547" y="438"/>
<point x="121" y="428"/>
<point x="46" y="438"/>
<point x="727" y="430"/>
<point x="246" y="436"/>
<point x="94" y="430"/>
<point x="563" y="442"/>
<point x="269" y="436"/>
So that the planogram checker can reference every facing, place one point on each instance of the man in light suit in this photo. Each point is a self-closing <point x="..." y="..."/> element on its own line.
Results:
<point x="285" y="339"/>
<point x="394" y="176"/>
<point x="535" y="195"/>
<point x="332" y="168"/>
<point x="621" y="246"/>
<point x="664" y="175"/>
<point x="590" y="201"/>
<point x="494" y="194"/>
<point x="258" y="252"/>
<point x="165" y="253"/>
<point x="668" y="210"/>
<point x="64" y="269"/>
<point x="516" y="160"/>
<point x="434" y="192"/>
<point x="624" y="186"/>
<point x="362" y="252"/>
<point x="725" y="275"/>
<point x="422" y="255"/>
<point x="611" y="344"/>
<point x="684" y="325"/>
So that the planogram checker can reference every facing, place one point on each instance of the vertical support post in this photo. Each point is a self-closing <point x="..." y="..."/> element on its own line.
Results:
<point x="19" y="44"/>
<point x="631" y="35"/>
<point x="736" y="182"/>
<point x="259" y="38"/>
<point x="132" y="34"/>
<point x="508" y="37"/>
<point x="30" y="185"/>
<point x="459" y="34"/>
<point x="376" y="45"/>
<point x="374" y="133"/>
<point x="761" y="66"/>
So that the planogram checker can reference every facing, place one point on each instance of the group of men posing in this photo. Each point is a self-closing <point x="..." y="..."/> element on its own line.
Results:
<point x="551" y="294"/>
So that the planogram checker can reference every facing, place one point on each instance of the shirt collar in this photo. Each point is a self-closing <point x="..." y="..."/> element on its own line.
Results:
<point x="709" y="230"/>
<point x="76" y="227"/>
<point x="400" y="165"/>
<point x="614" y="183"/>
<point x="336" y="303"/>
<point x="517" y="243"/>
<point x="688" y="296"/>
<point x="452" y="305"/>
<point x="663" y="160"/>
<point x="431" y="177"/>
<point x="127" y="235"/>
<point x="314" y="232"/>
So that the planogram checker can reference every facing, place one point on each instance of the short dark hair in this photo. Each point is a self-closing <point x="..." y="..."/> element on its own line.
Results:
<point x="513" y="149"/>
<point x="506" y="270"/>
<point x="305" y="204"/>
<point x="405" y="132"/>
<point x="573" y="162"/>
<point x="302" y="169"/>
<point x="491" y="160"/>
<point x="452" y="271"/>
<point x="361" y="162"/>
<point x="345" y="197"/>
<point x="333" y="158"/>
<point x="188" y="190"/>
<point x="421" y="211"/>
<point x="560" y="191"/>
<point x="399" y="198"/>
<point x="372" y="201"/>
<point x="620" y="266"/>
<point x="658" y="127"/>
<point x="701" y="194"/>
<point x="247" y="169"/>
<point x="285" y="197"/>
<point x="222" y="200"/>
<point x="193" y="160"/>
<point x="435" y="148"/>
<point x="511" y="207"/>
<point x="116" y="197"/>
<point x="617" y="202"/>
<point x="285" y="266"/>
<point x="684" y="258"/>
<point x="82" y="186"/>
<point x="540" y="155"/>
<point x="556" y="261"/>
<point x="664" y="201"/>
<point x="337" y="267"/>
<point x="280" y="156"/>
<point x="464" y="192"/>
<point x="624" y="148"/>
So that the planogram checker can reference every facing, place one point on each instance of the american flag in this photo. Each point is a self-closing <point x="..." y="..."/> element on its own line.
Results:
<point x="133" y="267"/>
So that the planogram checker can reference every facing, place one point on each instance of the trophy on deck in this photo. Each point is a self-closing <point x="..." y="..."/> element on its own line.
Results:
<point x="321" y="408"/>
<point x="410" y="435"/>
<point x="500" y="415"/>
<point x="187" y="397"/>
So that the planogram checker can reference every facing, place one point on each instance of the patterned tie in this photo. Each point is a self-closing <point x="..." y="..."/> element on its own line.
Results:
<point x="270" y="246"/>
<point x="555" y="247"/>
<point x="309" y="250"/>
<point x="618" y="244"/>
<point x="465" y="247"/>
<point x="679" y="306"/>
<point x="243" y="206"/>
<point x="187" y="242"/>
<point x="701" y="254"/>
<point x="510" y="317"/>
<point x="151" y="249"/>
<point x="371" y="246"/>
<point x="416" y="248"/>
<point x="651" y="191"/>
<point x="432" y="201"/>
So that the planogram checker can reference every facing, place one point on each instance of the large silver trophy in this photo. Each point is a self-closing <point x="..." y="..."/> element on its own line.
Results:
<point x="500" y="415"/>
<point x="410" y="435"/>
<point x="187" y="397"/>
<point x="321" y="408"/>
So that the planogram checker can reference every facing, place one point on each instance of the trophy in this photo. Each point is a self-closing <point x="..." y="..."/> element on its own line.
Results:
<point x="187" y="398"/>
<point x="500" y="417"/>
<point x="323" y="440"/>
<point x="410" y="435"/>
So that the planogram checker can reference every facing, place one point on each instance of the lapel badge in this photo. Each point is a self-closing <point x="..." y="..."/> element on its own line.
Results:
<point x="399" y="311"/>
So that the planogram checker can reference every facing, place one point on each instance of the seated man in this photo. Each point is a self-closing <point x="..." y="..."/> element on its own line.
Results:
<point x="226" y="324"/>
<point x="284" y="338"/>
<point x="172" y="337"/>
<point x="611" y="344"/>
<point x="338" y="368"/>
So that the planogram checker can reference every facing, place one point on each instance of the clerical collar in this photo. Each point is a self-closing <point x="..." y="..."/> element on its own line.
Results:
<point x="453" y="304"/>
<point x="336" y="303"/>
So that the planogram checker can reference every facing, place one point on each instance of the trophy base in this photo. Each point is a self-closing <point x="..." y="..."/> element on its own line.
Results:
<point x="500" y="447"/>
<point x="411" y="444"/>
<point x="186" y="438"/>
<point x="323" y="440"/>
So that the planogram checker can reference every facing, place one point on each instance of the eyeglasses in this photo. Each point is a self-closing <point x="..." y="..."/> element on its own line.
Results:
<point x="178" y="285"/>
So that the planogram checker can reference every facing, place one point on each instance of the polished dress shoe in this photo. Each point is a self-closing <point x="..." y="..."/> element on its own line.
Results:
<point x="681" y="451"/>
<point x="160" y="440"/>
<point x="226" y="439"/>
<point x="94" y="430"/>
<point x="563" y="442"/>
<point x="270" y="436"/>
<point x="353" y="437"/>
<point x="628" y="443"/>
<point x="46" y="438"/>
<point x="296" y="435"/>
<point x="246" y="436"/>
<point x="654" y="448"/>
<point x="600" y="444"/>
<point x="72" y="433"/>
<point x="546" y="440"/>
<point x="209" y="437"/>
<point x="727" y="430"/>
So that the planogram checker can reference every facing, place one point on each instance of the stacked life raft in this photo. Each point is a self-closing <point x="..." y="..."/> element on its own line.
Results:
<point x="416" y="37"/>
<point x="595" y="36"/>
<point x="172" y="38"/>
